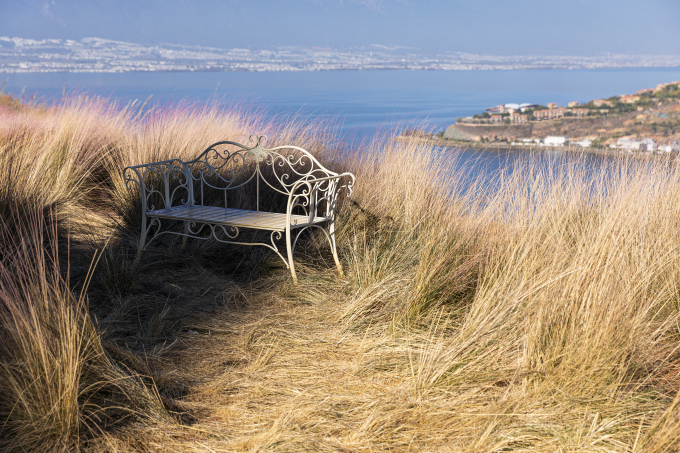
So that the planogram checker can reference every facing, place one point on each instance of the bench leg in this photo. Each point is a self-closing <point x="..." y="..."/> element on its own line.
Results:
<point x="291" y="265"/>
<point x="335" y="250"/>
<point x="142" y="240"/>
<point x="184" y="238"/>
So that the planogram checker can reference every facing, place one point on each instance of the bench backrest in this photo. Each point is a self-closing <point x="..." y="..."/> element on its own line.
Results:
<point x="226" y="166"/>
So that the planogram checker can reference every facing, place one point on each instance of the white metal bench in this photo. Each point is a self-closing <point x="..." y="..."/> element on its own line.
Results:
<point x="195" y="193"/>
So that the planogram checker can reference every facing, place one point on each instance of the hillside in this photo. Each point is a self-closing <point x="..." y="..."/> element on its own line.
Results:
<point x="653" y="113"/>
<point x="571" y="127"/>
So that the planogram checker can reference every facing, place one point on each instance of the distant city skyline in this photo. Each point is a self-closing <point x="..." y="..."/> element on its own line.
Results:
<point x="21" y="55"/>
<point x="495" y="27"/>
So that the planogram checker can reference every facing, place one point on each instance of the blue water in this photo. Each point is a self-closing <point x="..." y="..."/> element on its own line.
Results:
<point x="363" y="103"/>
<point x="359" y="102"/>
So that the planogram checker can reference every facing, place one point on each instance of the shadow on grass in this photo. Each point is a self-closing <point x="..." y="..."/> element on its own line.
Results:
<point x="149" y="316"/>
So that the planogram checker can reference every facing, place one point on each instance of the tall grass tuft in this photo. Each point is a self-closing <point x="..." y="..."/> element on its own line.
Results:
<point x="56" y="381"/>
<point x="45" y="340"/>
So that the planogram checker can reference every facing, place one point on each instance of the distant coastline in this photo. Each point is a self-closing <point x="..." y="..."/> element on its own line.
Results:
<point x="96" y="55"/>
<point x="503" y="146"/>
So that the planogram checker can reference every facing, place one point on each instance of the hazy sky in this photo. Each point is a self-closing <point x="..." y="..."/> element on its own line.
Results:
<point x="501" y="27"/>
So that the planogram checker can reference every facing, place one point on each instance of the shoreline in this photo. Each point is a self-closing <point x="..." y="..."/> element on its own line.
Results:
<point x="507" y="147"/>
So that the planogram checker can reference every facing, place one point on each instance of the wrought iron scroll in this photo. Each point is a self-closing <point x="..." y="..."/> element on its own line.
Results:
<point x="227" y="165"/>
<point x="160" y="184"/>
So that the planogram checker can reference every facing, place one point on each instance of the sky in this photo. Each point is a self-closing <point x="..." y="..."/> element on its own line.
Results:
<point x="497" y="27"/>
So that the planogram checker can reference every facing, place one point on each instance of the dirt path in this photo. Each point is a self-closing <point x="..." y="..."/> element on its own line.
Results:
<point x="270" y="372"/>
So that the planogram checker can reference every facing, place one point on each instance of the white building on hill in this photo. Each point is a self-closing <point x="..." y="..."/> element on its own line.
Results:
<point x="627" y="144"/>
<point x="552" y="140"/>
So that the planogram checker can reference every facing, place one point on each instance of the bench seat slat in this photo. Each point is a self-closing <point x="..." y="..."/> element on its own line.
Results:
<point x="234" y="217"/>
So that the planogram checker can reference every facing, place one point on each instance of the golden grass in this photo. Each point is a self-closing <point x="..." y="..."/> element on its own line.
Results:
<point x="533" y="311"/>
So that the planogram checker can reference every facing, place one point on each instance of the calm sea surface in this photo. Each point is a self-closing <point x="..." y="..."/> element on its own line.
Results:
<point x="361" y="103"/>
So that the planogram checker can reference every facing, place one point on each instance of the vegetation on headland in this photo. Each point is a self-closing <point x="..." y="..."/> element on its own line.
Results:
<point x="650" y="98"/>
<point x="617" y="123"/>
<point x="538" y="312"/>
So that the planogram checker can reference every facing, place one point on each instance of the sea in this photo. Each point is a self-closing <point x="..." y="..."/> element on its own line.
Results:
<point x="359" y="104"/>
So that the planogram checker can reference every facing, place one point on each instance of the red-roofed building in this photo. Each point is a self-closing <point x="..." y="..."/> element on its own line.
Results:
<point x="629" y="98"/>
<point x="496" y="109"/>
<point x="550" y="114"/>
<point x="601" y="102"/>
<point x="579" y="113"/>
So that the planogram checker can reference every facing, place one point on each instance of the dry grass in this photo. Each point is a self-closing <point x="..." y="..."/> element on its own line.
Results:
<point x="536" y="311"/>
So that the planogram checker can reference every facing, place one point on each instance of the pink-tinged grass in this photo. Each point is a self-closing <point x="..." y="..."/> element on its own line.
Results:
<point x="533" y="311"/>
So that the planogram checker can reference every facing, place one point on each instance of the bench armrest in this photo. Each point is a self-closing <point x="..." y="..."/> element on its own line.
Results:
<point x="308" y="197"/>
<point x="154" y="180"/>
